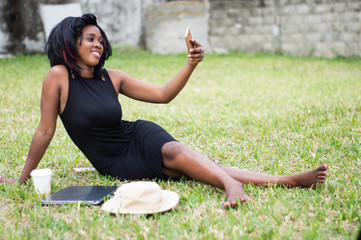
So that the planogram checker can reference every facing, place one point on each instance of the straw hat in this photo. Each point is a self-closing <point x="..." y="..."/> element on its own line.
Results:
<point x="141" y="198"/>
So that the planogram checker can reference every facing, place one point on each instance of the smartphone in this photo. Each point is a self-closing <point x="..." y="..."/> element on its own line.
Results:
<point x="188" y="38"/>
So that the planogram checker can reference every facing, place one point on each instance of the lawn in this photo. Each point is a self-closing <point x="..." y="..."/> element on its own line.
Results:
<point x="274" y="114"/>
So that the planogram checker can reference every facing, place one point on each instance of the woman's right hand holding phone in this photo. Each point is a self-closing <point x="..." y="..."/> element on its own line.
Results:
<point x="195" y="54"/>
<point x="195" y="50"/>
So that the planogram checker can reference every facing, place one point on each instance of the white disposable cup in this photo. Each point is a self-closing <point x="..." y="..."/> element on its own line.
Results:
<point x="41" y="180"/>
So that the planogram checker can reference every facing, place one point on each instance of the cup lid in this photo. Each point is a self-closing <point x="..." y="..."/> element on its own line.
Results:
<point x="41" y="172"/>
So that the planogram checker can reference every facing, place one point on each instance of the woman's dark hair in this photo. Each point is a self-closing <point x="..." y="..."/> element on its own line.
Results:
<point x="61" y="45"/>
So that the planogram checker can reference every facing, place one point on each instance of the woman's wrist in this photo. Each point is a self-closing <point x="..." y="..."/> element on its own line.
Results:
<point x="192" y="64"/>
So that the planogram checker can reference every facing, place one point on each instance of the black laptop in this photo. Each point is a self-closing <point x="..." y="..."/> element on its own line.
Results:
<point x="93" y="195"/>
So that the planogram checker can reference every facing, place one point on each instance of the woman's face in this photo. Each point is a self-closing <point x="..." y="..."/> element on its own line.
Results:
<point x="90" y="47"/>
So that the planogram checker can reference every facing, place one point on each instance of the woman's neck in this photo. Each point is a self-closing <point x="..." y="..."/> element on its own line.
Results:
<point x="87" y="72"/>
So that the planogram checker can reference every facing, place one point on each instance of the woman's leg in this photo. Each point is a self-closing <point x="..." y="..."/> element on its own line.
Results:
<point x="309" y="179"/>
<point x="178" y="158"/>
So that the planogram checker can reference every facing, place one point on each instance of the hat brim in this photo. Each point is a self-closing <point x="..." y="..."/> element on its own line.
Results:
<point x="169" y="200"/>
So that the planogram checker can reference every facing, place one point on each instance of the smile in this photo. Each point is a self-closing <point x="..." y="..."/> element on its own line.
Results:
<point x="96" y="54"/>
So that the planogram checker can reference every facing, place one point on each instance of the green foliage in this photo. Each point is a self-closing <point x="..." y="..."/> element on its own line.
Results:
<point x="274" y="114"/>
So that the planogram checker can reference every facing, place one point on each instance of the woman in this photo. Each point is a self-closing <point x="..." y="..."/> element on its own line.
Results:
<point x="85" y="96"/>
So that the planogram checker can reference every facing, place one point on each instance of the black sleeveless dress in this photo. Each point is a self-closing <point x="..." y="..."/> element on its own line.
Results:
<point x="117" y="148"/>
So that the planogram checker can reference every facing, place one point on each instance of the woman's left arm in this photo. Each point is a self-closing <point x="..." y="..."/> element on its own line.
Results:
<point x="147" y="92"/>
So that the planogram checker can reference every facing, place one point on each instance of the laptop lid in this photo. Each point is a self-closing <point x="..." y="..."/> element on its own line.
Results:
<point x="93" y="195"/>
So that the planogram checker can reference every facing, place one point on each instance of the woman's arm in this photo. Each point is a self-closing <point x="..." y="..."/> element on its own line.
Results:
<point x="147" y="92"/>
<point x="50" y="102"/>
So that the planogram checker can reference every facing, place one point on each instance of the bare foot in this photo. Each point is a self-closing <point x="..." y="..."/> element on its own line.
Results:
<point x="309" y="179"/>
<point x="234" y="193"/>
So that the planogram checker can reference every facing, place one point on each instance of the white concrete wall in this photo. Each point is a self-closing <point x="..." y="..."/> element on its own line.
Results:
<point x="166" y="24"/>
<point x="4" y="35"/>
<point x="52" y="14"/>
<point x="4" y="39"/>
<point x="313" y="27"/>
<point x="296" y="27"/>
<point x="123" y="21"/>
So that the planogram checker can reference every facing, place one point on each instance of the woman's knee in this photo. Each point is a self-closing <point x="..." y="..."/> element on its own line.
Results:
<point x="174" y="150"/>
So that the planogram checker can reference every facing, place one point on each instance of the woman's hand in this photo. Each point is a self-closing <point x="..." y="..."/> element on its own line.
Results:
<point x="4" y="179"/>
<point x="196" y="54"/>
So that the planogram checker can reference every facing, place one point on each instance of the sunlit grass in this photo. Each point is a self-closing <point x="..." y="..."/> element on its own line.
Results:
<point x="266" y="113"/>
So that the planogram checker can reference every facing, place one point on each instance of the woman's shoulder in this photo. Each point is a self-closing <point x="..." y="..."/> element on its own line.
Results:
<point x="115" y="73"/>
<point x="58" y="70"/>
<point x="57" y="74"/>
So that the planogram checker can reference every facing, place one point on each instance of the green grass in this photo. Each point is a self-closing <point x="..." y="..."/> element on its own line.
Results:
<point x="273" y="114"/>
